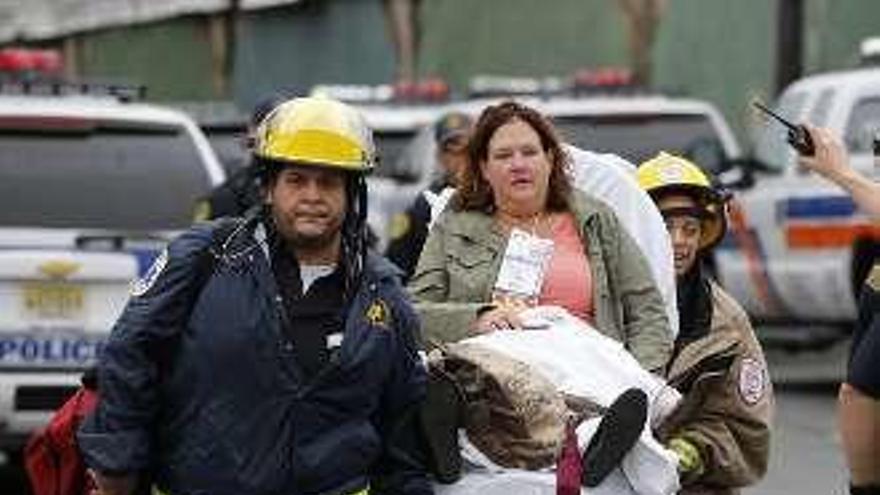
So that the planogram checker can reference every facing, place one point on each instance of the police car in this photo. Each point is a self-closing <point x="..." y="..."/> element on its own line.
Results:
<point x="799" y="249"/>
<point x="91" y="187"/>
<point x="600" y="111"/>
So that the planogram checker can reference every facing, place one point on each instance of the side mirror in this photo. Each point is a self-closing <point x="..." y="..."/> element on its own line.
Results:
<point x="739" y="173"/>
<point x="736" y="178"/>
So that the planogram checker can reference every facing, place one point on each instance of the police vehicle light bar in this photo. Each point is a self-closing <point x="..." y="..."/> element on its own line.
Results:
<point x="602" y="79"/>
<point x="605" y="77"/>
<point x="354" y="93"/>
<point x="423" y="91"/>
<point x="30" y="60"/>
<point x="426" y="90"/>
<point x="492" y="85"/>
<point x="27" y="71"/>
<point x="124" y="92"/>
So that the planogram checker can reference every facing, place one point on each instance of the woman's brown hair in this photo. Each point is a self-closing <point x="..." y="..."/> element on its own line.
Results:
<point x="474" y="192"/>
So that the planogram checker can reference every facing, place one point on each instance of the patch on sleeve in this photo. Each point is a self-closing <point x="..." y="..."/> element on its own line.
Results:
<point x="143" y="284"/>
<point x="752" y="381"/>
<point x="377" y="314"/>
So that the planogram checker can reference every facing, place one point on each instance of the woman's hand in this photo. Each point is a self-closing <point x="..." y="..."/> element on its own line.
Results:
<point x="505" y="316"/>
<point x="501" y="318"/>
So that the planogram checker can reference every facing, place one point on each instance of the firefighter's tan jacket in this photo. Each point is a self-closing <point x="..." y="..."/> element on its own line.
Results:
<point x="728" y="405"/>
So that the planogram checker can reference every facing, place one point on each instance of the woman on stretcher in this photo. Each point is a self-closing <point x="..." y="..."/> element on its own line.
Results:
<point x="516" y="235"/>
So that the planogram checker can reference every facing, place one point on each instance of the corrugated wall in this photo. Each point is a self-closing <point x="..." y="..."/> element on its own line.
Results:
<point x="721" y="51"/>
<point x="327" y="41"/>
<point x="519" y="37"/>
<point x="294" y="47"/>
<point x="172" y="58"/>
<point x="725" y="51"/>
<point x="834" y="30"/>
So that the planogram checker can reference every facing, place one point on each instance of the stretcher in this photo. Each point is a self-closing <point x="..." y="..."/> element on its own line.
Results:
<point x="578" y="361"/>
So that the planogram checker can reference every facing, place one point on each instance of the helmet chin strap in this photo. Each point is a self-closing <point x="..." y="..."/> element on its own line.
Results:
<point x="354" y="235"/>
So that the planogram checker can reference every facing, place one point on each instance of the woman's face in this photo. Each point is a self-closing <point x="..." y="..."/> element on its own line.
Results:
<point x="517" y="168"/>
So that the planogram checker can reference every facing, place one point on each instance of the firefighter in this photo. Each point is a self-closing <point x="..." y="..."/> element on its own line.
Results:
<point x="293" y="368"/>
<point x="721" y="430"/>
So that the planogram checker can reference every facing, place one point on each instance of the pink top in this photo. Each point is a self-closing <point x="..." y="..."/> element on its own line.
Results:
<point x="568" y="281"/>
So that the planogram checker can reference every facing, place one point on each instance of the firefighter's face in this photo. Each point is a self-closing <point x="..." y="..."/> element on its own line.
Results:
<point x="685" y="230"/>
<point x="453" y="157"/>
<point x="308" y="205"/>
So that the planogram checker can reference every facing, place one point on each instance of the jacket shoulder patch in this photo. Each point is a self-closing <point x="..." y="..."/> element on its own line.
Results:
<point x="377" y="314"/>
<point x="143" y="284"/>
<point x="752" y="381"/>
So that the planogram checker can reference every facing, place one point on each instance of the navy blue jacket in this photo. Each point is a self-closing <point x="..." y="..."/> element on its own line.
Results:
<point x="199" y="386"/>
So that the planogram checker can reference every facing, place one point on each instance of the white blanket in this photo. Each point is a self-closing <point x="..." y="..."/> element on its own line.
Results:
<point x="579" y="361"/>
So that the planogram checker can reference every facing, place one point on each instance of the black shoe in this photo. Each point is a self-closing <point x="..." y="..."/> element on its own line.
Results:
<point x="441" y="416"/>
<point x="618" y="431"/>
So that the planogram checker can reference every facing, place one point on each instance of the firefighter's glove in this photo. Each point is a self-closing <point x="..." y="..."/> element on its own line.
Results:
<point x="690" y="463"/>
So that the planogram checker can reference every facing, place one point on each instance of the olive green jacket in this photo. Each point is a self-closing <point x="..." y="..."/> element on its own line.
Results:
<point x="728" y="402"/>
<point x="461" y="258"/>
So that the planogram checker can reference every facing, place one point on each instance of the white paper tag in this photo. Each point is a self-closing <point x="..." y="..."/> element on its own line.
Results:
<point x="522" y="268"/>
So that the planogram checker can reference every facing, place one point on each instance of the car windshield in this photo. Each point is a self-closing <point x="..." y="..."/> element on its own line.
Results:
<point x="638" y="137"/>
<point x="81" y="173"/>
<point x="863" y="125"/>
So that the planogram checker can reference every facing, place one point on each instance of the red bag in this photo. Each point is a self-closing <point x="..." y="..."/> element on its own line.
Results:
<point x="52" y="459"/>
<point x="568" y="465"/>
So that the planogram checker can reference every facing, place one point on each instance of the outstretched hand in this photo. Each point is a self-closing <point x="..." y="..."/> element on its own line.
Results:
<point x="831" y="161"/>
<point x="830" y="158"/>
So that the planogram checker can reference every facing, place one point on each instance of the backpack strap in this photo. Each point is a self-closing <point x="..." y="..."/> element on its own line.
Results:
<point x="206" y="265"/>
<point x="207" y="262"/>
